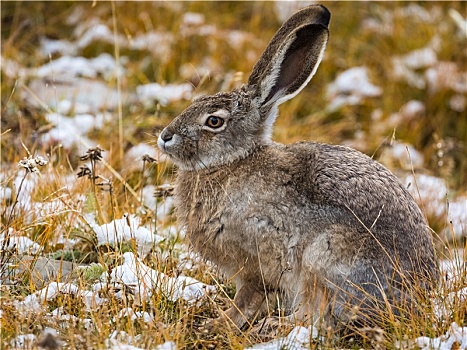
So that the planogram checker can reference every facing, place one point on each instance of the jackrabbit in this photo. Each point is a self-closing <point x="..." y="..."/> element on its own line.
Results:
<point x="328" y="228"/>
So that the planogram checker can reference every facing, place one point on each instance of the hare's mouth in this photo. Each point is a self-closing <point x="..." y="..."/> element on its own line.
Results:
<point x="172" y="149"/>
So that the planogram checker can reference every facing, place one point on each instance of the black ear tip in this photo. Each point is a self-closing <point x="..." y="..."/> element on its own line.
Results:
<point x="325" y="15"/>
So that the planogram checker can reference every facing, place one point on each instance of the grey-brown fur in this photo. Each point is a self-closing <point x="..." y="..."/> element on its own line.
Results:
<point x="331" y="230"/>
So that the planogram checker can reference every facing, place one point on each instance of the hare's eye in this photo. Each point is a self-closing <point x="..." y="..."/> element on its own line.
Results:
<point x="214" y="122"/>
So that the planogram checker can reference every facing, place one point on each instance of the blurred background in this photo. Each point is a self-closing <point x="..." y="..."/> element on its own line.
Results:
<point x="392" y="84"/>
<point x="88" y="86"/>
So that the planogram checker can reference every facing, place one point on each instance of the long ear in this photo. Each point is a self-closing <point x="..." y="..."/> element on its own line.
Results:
<point x="291" y="58"/>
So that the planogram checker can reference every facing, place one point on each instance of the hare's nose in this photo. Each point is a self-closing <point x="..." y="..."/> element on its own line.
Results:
<point x="166" y="135"/>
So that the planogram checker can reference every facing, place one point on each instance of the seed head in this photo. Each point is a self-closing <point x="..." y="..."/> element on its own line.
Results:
<point x="31" y="164"/>
<point x="94" y="154"/>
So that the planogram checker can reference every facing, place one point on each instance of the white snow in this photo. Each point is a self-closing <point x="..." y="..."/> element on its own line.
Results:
<point x="429" y="190"/>
<point x="412" y="109"/>
<point x="432" y="193"/>
<point x="36" y="302"/>
<point x="298" y="339"/>
<point x="5" y="194"/>
<point x="92" y="299"/>
<point x="71" y="131"/>
<point x="93" y="31"/>
<point x="458" y="103"/>
<point x="11" y="68"/>
<point x="135" y="153"/>
<point x="446" y="75"/>
<point x="158" y="43"/>
<point x="24" y="188"/>
<point x="350" y="88"/>
<point x="407" y="156"/>
<point x="457" y="215"/>
<point x="127" y="228"/>
<point x="163" y="94"/>
<point x="415" y="12"/>
<point x="164" y="208"/>
<point x="23" y="341"/>
<point x="144" y="280"/>
<point x="129" y="312"/>
<point x="421" y="58"/>
<point x="193" y="18"/>
<point x="404" y="67"/>
<point x="70" y="67"/>
<point x="67" y="107"/>
<point x="62" y="47"/>
<point x="22" y="244"/>
<point x="455" y="334"/>
<point x="149" y="199"/>
<point x="92" y="93"/>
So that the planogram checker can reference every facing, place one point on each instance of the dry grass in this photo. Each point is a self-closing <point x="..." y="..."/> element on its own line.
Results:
<point x="440" y="134"/>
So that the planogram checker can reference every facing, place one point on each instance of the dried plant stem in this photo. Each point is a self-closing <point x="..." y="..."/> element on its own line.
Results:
<point x="5" y="252"/>
<point x="10" y="215"/>
<point x="100" y="214"/>
<point x="119" y="92"/>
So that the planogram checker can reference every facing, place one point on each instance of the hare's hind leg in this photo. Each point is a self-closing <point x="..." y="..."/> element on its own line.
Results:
<point x="312" y="305"/>
<point x="327" y="263"/>
<point x="246" y="304"/>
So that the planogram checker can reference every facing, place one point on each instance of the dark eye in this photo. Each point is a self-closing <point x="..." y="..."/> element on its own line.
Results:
<point x="214" y="122"/>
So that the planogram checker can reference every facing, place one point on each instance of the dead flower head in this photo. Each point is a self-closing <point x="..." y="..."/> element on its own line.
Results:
<point x="94" y="154"/>
<point x="148" y="158"/>
<point x="84" y="171"/>
<point x="31" y="164"/>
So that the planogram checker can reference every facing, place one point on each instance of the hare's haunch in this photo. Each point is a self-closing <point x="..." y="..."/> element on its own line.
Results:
<point x="332" y="231"/>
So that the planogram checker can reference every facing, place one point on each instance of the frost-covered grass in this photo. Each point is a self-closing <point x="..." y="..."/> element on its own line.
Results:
<point x="91" y="256"/>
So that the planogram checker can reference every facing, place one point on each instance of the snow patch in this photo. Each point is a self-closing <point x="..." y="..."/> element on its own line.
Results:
<point x="404" y="67"/>
<point x="163" y="94"/>
<point x="70" y="67"/>
<point x="36" y="302"/>
<point x="158" y="43"/>
<point x="446" y="76"/>
<point x="23" y="341"/>
<point x="455" y="338"/>
<point x="129" y="312"/>
<point x="63" y="47"/>
<point x="127" y="228"/>
<point x="68" y="131"/>
<point x="407" y="156"/>
<point x="192" y="19"/>
<point x="432" y="193"/>
<point x="145" y="280"/>
<point x="164" y="208"/>
<point x="350" y="88"/>
<point x="429" y="190"/>
<point x="21" y="244"/>
<point x="138" y="151"/>
<point x="298" y="339"/>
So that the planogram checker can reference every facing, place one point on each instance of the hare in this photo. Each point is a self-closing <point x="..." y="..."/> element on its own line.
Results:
<point x="330" y="230"/>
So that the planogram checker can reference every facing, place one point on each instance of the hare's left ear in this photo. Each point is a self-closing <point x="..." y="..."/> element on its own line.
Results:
<point x="291" y="59"/>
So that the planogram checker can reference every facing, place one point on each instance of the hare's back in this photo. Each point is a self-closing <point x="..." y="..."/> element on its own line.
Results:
<point x="362" y="193"/>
